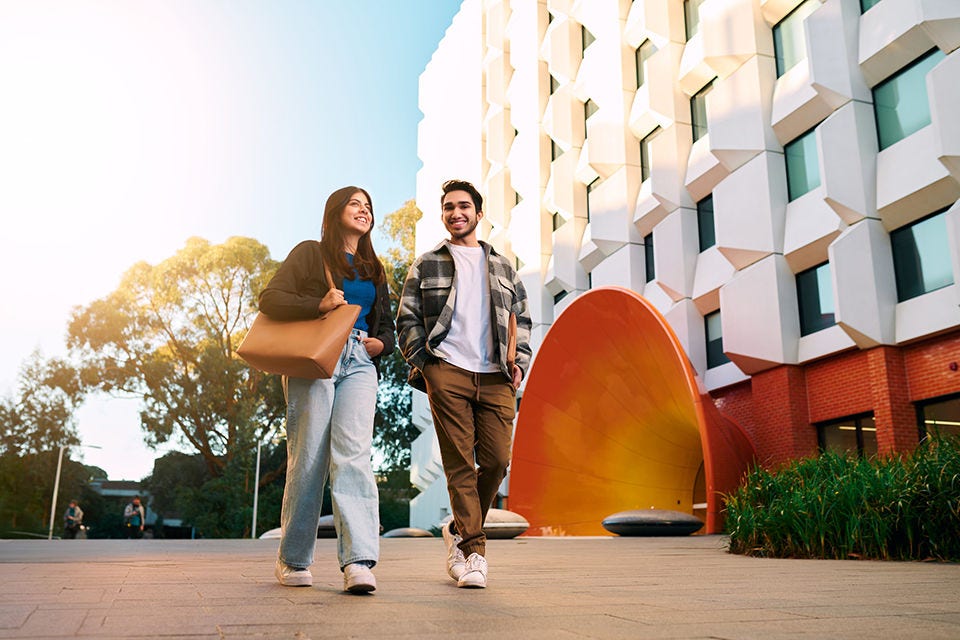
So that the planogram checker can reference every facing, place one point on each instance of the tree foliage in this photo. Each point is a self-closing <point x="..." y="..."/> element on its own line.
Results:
<point x="394" y="431"/>
<point x="168" y="335"/>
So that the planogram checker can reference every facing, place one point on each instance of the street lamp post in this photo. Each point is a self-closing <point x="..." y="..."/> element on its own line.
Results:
<point x="256" y="494"/>
<point x="56" y="486"/>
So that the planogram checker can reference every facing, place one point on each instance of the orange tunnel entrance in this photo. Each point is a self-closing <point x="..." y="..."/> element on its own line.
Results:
<point x="613" y="418"/>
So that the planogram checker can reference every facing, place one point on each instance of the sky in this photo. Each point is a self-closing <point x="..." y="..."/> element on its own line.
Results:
<point x="128" y="126"/>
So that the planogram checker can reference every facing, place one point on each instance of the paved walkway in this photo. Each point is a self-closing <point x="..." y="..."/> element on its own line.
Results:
<point x="538" y="588"/>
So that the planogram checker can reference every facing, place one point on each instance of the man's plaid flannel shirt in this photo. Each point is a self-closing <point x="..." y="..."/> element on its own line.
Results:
<point x="426" y="309"/>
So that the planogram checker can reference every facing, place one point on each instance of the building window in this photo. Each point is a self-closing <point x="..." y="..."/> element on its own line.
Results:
<point x="900" y="102"/>
<point x="517" y="263"/>
<point x="590" y="187"/>
<point x="691" y="17"/>
<point x="645" y="154"/>
<point x="554" y="84"/>
<point x="698" y="112"/>
<point x="705" y="229"/>
<point x="649" y="268"/>
<point x="789" y="47"/>
<point x="557" y="221"/>
<point x="555" y="150"/>
<point x="589" y="108"/>
<point x="803" y="166"/>
<point x="586" y="38"/>
<point x="815" y="299"/>
<point x="560" y="296"/>
<point x="866" y="5"/>
<point x="939" y="417"/>
<point x="856" y="435"/>
<point x="589" y="280"/>
<point x="644" y="51"/>
<point x="921" y="257"/>
<point x="714" y="331"/>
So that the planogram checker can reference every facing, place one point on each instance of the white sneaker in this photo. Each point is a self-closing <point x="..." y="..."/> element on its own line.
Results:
<point x="475" y="576"/>
<point x="291" y="576"/>
<point x="456" y="562"/>
<point x="357" y="578"/>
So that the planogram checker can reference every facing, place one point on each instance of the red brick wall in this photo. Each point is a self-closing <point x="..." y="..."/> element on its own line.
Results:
<point x="778" y="407"/>
<point x="928" y="367"/>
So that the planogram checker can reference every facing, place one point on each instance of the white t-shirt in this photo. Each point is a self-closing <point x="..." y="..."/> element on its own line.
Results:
<point x="469" y="342"/>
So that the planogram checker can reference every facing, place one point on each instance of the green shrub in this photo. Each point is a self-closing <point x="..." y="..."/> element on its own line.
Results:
<point x="837" y="506"/>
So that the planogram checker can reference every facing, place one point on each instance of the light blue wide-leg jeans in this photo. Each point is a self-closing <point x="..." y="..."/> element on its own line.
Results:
<point x="330" y="429"/>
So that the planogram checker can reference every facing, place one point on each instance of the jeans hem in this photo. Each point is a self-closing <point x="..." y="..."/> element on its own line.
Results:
<point x="359" y="559"/>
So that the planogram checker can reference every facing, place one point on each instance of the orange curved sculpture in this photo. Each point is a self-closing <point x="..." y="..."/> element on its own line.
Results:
<point x="613" y="419"/>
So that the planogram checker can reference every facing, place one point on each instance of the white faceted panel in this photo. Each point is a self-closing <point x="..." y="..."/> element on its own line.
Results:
<point x="562" y="121"/>
<point x="425" y="465"/>
<point x="497" y="70"/>
<point x="893" y="34"/>
<point x="863" y="283"/>
<point x="823" y="343"/>
<point x="723" y="376"/>
<point x="704" y="170"/>
<point x="659" y="102"/>
<point x="832" y="48"/>
<point x="661" y="22"/>
<point x="694" y="70"/>
<point x="811" y="226"/>
<point x="738" y="113"/>
<point x="561" y="48"/>
<point x="664" y="191"/>
<point x="675" y="249"/>
<point x="497" y="13"/>
<point x="584" y="172"/>
<point x="943" y="93"/>
<point x="529" y="232"/>
<point x="734" y="31"/>
<point x="774" y="11"/>
<point x="848" y="144"/>
<point x="623" y="268"/>
<point x="611" y="211"/>
<point x="927" y="314"/>
<point x="564" y="193"/>
<point x="567" y="274"/>
<point x="713" y="270"/>
<point x="911" y="180"/>
<point x="657" y="297"/>
<point x="498" y="198"/>
<point x="687" y="323"/>
<point x="750" y="210"/>
<point x="761" y="324"/>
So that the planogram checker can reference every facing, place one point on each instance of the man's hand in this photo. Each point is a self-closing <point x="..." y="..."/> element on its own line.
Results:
<point x="517" y="376"/>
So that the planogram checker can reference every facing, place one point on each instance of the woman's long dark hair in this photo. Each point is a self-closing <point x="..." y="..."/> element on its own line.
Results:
<point x="365" y="261"/>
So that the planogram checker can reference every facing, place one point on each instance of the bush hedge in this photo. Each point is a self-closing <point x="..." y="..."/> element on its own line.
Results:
<point x="837" y="506"/>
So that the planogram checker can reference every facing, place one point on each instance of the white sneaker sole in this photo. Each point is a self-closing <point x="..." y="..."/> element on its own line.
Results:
<point x="472" y="580"/>
<point x="294" y="580"/>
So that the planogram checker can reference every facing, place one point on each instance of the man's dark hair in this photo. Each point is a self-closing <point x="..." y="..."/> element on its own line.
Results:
<point x="462" y="185"/>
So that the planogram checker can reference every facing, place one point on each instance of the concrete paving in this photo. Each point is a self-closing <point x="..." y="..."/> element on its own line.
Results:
<point x="538" y="588"/>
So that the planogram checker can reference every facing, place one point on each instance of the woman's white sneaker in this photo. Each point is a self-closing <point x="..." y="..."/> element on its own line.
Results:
<point x="475" y="575"/>
<point x="292" y="576"/>
<point x="357" y="578"/>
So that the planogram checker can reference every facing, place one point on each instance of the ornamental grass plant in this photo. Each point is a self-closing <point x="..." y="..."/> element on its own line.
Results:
<point x="839" y="506"/>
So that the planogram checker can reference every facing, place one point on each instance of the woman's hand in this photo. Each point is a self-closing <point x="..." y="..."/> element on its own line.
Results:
<point x="373" y="346"/>
<point x="331" y="301"/>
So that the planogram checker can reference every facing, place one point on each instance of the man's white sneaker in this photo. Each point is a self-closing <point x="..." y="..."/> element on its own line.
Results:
<point x="357" y="578"/>
<point x="292" y="576"/>
<point x="456" y="562"/>
<point x="475" y="576"/>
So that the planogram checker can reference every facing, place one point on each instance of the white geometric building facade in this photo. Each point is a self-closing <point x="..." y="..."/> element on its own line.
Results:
<point x="778" y="177"/>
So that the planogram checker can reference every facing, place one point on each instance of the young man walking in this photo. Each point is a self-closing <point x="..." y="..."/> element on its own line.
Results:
<point x="454" y="326"/>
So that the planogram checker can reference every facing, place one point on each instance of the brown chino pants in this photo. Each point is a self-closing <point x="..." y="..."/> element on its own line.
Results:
<point x="473" y="415"/>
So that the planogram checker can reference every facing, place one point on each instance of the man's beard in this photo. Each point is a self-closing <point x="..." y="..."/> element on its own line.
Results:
<point x="463" y="233"/>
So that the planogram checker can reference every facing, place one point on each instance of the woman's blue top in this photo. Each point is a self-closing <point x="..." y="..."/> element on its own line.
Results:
<point x="361" y="292"/>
